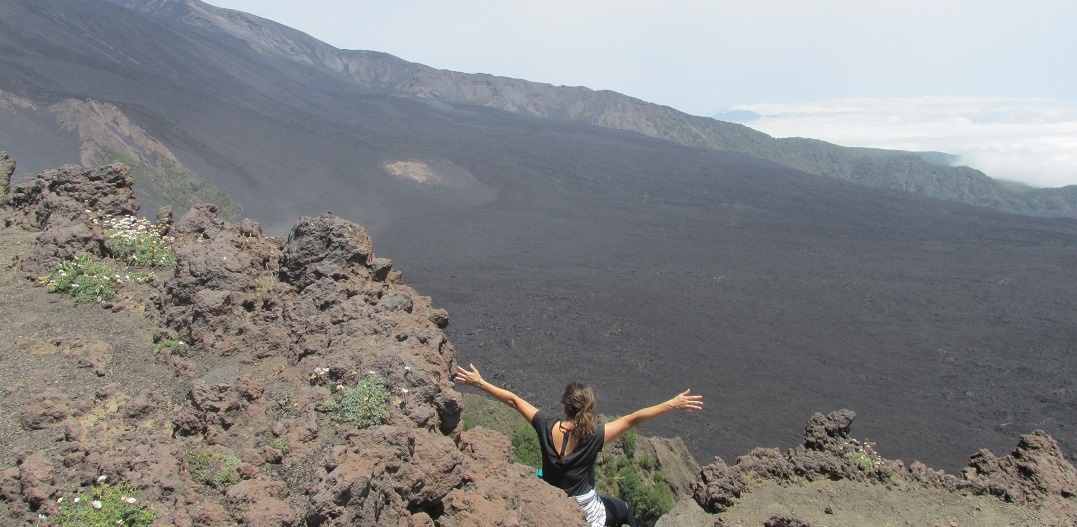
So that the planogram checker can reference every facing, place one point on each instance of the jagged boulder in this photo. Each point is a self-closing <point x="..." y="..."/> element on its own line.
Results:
<point x="828" y="452"/>
<point x="1035" y="472"/>
<point x="216" y="295"/>
<point x="348" y="312"/>
<point x="672" y="457"/>
<point x="828" y="432"/>
<point x="719" y="486"/>
<point x="71" y="190"/>
<point x="59" y="203"/>
<point x="327" y="247"/>
<point x="383" y="476"/>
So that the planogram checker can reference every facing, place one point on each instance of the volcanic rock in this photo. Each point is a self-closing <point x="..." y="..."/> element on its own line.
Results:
<point x="59" y="203"/>
<point x="1036" y="472"/>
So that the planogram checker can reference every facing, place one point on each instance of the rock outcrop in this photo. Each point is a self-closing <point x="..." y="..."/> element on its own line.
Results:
<point x="672" y="457"/>
<point x="1036" y="474"/>
<point x="58" y="203"/>
<point x="273" y="332"/>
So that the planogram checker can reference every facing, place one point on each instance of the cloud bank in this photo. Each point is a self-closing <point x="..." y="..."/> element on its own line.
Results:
<point x="1032" y="141"/>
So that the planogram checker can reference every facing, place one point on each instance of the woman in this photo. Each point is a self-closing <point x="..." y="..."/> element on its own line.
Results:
<point x="570" y="445"/>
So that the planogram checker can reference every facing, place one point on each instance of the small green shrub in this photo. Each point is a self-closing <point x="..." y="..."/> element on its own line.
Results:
<point x="211" y="467"/>
<point x="136" y="241"/>
<point x="264" y="284"/>
<point x="280" y="444"/>
<point x="469" y="422"/>
<point x="646" y="462"/>
<point x="526" y="448"/>
<point x="105" y="505"/>
<point x="863" y="455"/>
<point x="632" y="476"/>
<point x="85" y="279"/>
<point x="628" y="443"/>
<point x="362" y="404"/>
<point x="650" y="501"/>
<point x="176" y="346"/>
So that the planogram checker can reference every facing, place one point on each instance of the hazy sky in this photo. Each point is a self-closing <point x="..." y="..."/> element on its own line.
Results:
<point x="702" y="56"/>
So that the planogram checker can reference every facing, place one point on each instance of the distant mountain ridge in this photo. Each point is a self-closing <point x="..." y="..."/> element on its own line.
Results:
<point x="383" y="73"/>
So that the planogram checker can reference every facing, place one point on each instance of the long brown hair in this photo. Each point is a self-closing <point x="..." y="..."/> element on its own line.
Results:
<point x="579" y="403"/>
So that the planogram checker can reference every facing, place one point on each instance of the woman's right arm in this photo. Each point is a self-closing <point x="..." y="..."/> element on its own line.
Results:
<point x="684" y="401"/>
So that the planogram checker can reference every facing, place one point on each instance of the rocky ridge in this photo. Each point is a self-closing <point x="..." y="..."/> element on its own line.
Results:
<point x="377" y="72"/>
<point x="1035" y="476"/>
<point x="277" y="328"/>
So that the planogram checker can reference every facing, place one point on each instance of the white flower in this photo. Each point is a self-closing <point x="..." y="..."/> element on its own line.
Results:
<point x="77" y="499"/>
<point x="404" y="390"/>
<point x="96" y="504"/>
<point x="130" y="501"/>
<point x="101" y="478"/>
<point x="61" y="500"/>
<point x="372" y="372"/>
<point x="42" y="517"/>
<point x="407" y="368"/>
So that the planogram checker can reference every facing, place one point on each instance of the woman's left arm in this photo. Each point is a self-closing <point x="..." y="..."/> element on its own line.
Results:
<point x="475" y="379"/>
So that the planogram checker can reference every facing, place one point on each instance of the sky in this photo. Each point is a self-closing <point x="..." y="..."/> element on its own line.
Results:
<point x="918" y="62"/>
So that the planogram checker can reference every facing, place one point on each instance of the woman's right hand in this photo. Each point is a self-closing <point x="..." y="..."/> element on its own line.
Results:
<point x="686" y="402"/>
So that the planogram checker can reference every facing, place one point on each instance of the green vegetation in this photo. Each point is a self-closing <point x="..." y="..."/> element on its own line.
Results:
<point x="86" y="279"/>
<point x="176" y="346"/>
<point x="363" y="404"/>
<point x="105" y="505"/>
<point x="137" y="242"/>
<point x="630" y="475"/>
<point x="862" y="454"/>
<point x="280" y="444"/>
<point x="133" y="242"/>
<point x="211" y="467"/>
<point x="525" y="444"/>
<point x="264" y="284"/>
<point x="173" y="184"/>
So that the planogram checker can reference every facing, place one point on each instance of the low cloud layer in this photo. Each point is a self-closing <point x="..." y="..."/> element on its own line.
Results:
<point x="1033" y="141"/>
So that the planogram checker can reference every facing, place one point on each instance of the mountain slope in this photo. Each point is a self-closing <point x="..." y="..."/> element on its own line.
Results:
<point x="382" y="73"/>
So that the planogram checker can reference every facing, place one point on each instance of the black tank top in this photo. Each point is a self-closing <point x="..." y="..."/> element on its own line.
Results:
<point x="573" y="473"/>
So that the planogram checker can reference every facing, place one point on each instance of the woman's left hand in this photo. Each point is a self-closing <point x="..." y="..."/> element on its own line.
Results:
<point x="468" y="377"/>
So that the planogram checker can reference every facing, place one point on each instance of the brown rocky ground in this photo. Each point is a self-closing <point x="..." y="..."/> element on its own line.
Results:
<point x="277" y="325"/>
<point x="277" y="328"/>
